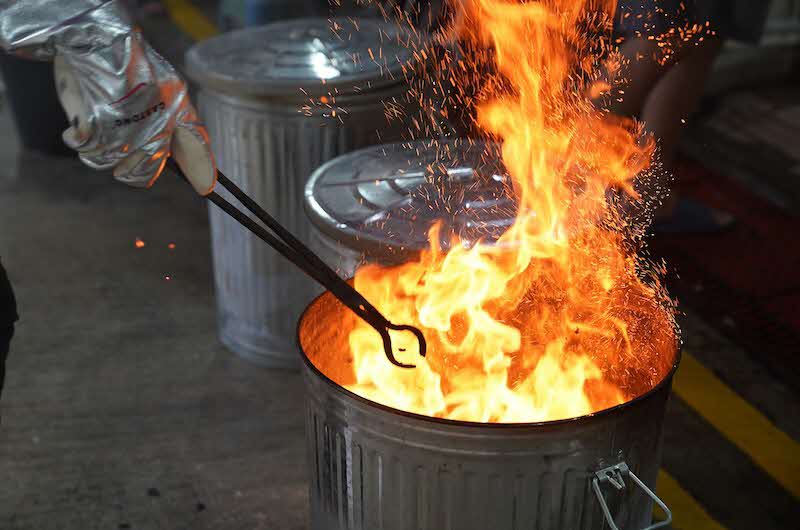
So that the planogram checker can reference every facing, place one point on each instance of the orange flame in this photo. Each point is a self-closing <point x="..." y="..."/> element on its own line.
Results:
<point x="557" y="320"/>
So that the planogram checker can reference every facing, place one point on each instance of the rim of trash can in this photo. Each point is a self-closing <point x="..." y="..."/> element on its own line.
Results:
<point x="211" y="63"/>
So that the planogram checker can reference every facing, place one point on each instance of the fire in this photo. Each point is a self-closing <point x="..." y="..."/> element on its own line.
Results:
<point x="560" y="318"/>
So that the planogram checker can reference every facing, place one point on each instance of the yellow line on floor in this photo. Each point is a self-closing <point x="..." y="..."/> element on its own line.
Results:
<point x="190" y="20"/>
<point x="687" y="514"/>
<point x="770" y="448"/>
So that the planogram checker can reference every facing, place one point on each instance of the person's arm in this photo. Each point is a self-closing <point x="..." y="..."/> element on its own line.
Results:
<point x="126" y="104"/>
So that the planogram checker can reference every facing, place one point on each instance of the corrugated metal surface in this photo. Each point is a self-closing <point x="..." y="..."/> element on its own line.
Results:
<point x="269" y="150"/>
<point x="374" y="469"/>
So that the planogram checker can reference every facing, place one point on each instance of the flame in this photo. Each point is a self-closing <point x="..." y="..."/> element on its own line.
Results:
<point x="559" y="318"/>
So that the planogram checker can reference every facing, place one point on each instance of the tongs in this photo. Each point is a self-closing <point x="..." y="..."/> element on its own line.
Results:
<point x="187" y="148"/>
<point x="306" y="260"/>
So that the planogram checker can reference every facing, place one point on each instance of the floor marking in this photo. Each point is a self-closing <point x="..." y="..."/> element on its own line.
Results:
<point x="687" y="513"/>
<point x="190" y="20"/>
<point x="770" y="448"/>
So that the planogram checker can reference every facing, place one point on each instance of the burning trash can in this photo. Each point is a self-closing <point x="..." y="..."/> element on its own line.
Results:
<point x="279" y="100"/>
<point x="537" y="397"/>
<point x="561" y="431"/>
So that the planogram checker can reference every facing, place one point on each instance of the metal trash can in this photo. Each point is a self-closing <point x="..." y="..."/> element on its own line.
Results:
<point x="372" y="466"/>
<point x="377" y="204"/>
<point x="279" y="100"/>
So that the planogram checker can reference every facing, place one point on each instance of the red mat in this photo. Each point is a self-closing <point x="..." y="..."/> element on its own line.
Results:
<point x="745" y="281"/>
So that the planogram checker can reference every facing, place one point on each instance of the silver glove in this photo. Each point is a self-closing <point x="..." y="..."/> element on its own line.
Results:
<point x="124" y="101"/>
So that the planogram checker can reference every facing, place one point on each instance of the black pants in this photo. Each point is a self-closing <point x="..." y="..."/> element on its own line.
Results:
<point x="8" y="315"/>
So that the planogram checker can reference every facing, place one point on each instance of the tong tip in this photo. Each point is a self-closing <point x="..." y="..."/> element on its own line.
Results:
<point x="387" y="343"/>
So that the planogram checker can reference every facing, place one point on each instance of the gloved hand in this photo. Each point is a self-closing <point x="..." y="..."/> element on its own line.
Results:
<point x="128" y="108"/>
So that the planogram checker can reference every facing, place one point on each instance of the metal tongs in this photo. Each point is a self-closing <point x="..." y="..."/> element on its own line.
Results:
<point x="304" y="258"/>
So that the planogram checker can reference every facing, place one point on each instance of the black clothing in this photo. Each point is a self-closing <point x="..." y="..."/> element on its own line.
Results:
<point x="8" y="315"/>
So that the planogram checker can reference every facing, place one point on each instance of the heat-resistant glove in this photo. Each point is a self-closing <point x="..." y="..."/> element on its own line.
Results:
<point x="128" y="108"/>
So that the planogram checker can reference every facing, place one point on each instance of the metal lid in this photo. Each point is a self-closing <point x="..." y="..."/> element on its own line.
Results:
<point x="317" y="55"/>
<point x="383" y="200"/>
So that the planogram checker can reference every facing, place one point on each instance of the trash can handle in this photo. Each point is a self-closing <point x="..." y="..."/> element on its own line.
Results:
<point x="615" y="476"/>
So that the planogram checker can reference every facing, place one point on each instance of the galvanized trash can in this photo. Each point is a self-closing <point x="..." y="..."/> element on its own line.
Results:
<point x="279" y="100"/>
<point x="378" y="203"/>
<point x="372" y="466"/>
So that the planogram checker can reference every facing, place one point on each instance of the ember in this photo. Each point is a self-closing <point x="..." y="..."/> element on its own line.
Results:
<point x="560" y="318"/>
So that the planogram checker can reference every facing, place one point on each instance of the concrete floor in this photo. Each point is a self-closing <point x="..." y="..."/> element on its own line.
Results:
<point x="121" y="408"/>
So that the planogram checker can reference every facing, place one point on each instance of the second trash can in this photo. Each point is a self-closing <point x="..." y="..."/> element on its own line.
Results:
<point x="280" y="100"/>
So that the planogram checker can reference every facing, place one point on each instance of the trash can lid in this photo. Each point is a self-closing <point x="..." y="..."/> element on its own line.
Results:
<point x="383" y="200"/>
<point x="302" y="57"/>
